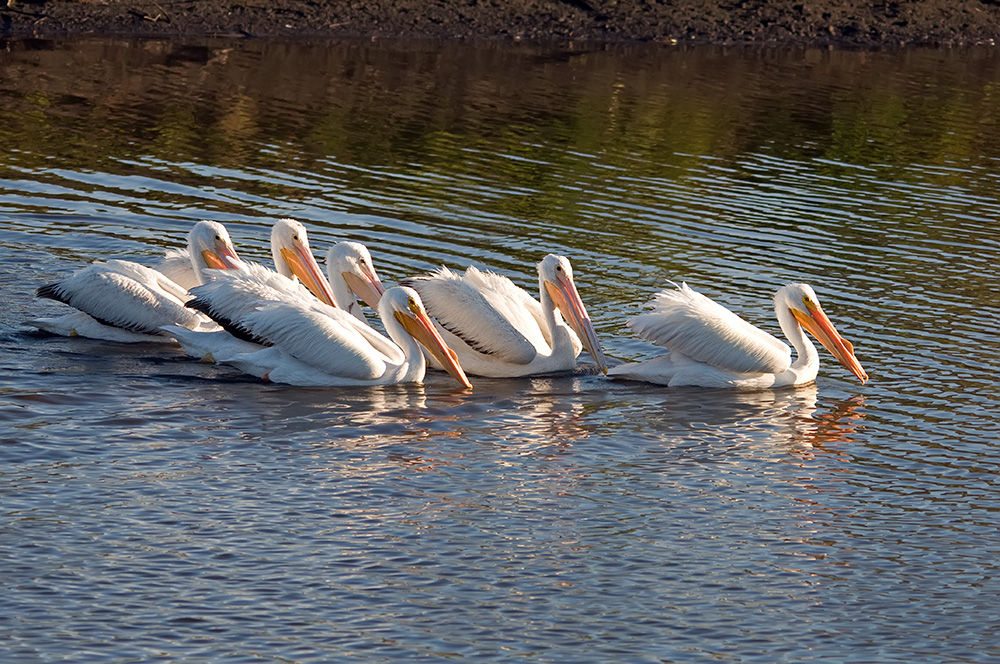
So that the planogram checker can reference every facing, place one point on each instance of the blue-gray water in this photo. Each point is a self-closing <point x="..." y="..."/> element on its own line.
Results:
<point x="158" y="509"/>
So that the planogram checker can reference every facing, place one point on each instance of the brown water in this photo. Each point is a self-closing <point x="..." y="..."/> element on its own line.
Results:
<point x="157" y="509"/>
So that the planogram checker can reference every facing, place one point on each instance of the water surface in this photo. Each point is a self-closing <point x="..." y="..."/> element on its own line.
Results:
<point x="155" y="508"/>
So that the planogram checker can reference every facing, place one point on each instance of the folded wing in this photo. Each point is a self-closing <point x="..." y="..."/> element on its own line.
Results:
<point x="125" y="295"/>
<point x="688" y="323"/>
<point x="336" y="347"/>
<point x="487" y="320"/>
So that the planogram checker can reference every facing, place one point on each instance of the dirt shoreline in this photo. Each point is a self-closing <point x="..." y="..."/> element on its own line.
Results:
<point x="785" y="22"/>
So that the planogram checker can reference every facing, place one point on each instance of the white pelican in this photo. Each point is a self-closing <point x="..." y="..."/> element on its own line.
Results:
<point x="317" y="345"/>
<point x="352" y="274"/>
<point x="498" y="330"/>
<point x="232" y="294"/>
<point x="125" y="301"/>
<point x="711" y="346"/>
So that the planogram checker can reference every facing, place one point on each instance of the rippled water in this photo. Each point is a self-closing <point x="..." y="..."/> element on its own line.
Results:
<point x="154" y="508"/>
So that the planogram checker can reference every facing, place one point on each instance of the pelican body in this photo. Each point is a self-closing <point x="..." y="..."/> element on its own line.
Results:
<point x="498" y="330"/>
<point x="711" y="346"/>
<point x="314" y="344"/>
<point x="232" y="294"/>
<point x="128" y="302"/>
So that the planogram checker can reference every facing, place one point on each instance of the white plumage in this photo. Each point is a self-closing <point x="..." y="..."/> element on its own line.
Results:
<point x="495" y="328"/>
<point x="352" y="275"/>
<point x="125" y="295"/>
<point x="333" y="343"/>
<point x="125" y="301"/>
<point x="687" y="322"/>
<point x="498" y="330"/>
<point x="293" y="258"/>
<point x="231" y="295"/>
<point x="176" y="266"/>
<point x="317" y="345"/>
<point x="711" y="346"/>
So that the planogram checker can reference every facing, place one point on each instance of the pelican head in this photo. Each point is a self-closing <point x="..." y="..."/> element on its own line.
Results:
<point x="209" y="241"/>
<point x="801" y="300"/>
<point x="405" y="306"/>
<point x="352" y="262"/>
<point x="556" y="275"/>
<point x="293" y="257"/>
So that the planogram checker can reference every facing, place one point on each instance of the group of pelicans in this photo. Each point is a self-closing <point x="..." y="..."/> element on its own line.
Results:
<point x="295" y="325"/>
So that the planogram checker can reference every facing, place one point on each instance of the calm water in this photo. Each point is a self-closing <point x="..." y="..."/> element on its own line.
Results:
<point x="158" y="509"/>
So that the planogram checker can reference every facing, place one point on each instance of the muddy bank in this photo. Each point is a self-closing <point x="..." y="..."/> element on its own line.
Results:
<point x="813" y="22"/>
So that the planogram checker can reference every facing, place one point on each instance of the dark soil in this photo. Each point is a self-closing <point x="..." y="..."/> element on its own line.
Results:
<point x="801" y="22"/>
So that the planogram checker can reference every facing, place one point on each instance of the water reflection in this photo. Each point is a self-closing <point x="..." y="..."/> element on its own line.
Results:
<point x="839" y="425"/>
<point x="545" y="416"/>
<point x="376" y="103"/>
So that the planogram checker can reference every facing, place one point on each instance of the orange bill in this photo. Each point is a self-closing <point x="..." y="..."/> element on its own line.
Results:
<point x="369" y="288"/>
<point x="420" y="327"/>
<point x="304" y="266"/>
<point x="817" y="324"/>
<point x="567" y="299"/>
<point x="222" y="257"/>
